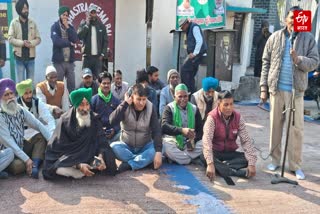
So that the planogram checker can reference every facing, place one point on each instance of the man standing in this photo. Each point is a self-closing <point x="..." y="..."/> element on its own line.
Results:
<point x="206" y="98"/>
<point x="167" y="93"/>
<point x="3" y="52"/>
<point x="64" y="37"/>
<point x="13" y="119"/>
<point x="260" y="41"/>
<point x="53" y="93"/>
<point x="118" y="87"/>
<point x="104" y="103"/>
<point x="182" y="128"/>
<point x="88" y="82"/>
<point x="140" y="141"/>
<point x="78" y="145"/>
<point x="95" y="41"/>
<point x="220" y="132"/>
<point x="24" y="36"/>
<point x="196" y="48"/>
<point x="287" y="58"/>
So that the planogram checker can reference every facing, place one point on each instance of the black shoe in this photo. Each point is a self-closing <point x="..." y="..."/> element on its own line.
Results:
<point x="124" y="166"/>
<point x="197" y="161"/>
<point x="238" y="173"/>
<point x="4" y="175"/>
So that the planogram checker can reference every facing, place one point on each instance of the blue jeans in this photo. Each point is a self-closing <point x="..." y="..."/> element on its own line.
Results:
<point x="137" y="158"/>
<point x="6" y="157"/>
<point x="0" y="73"/>
<point x="24" y="70"/>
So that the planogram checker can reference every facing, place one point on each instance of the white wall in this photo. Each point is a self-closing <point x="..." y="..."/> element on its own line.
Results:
<point x="130" y="37"/>
<point x="44" y="15"/>
<point x="162" y="40"/>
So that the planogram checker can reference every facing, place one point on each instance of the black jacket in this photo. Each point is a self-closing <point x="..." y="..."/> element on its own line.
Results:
<point x="84" y="34"/>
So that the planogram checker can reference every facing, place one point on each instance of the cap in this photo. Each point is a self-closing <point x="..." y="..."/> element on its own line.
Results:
<point x="92" y="7"/>
<point x="182" y="21"/>
<point x="86" y="72"/>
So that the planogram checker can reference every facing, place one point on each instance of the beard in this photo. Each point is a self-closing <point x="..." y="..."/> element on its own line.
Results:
<point x="208" y="98"/>
<point x="84" y="119"/>
<point x="10" y="107"/>
<point x="24" y="15"/>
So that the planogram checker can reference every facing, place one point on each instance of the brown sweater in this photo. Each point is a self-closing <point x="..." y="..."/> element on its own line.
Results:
<point x="56" y="99"/>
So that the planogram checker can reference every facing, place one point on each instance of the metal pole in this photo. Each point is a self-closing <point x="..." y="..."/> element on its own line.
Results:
<point x="12" y="69"/>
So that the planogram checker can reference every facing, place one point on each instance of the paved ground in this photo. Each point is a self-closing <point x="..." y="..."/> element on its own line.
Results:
<point x="149" y="191"/>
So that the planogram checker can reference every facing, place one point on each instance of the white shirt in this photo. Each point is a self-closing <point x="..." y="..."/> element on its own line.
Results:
<point x="94" y="44"/>
<point x="65" y="98"/>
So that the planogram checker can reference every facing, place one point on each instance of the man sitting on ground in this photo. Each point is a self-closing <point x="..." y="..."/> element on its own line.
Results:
<point x="13" y="120"/>
<point x="206" y="98"/>
<point x="104" y="103"/>
<point x="88" y="82"/>
<point x="182" y="128"/>
<point x="6" y="157"/>
<point x="140" y="141"/>
<point x="119" y="87"/>
<point x="220" y="132"/>
<point x="142" y="78"/>
<point x="78" y="138"/>
<point x="36" y="107"/>
<point x="154" y="80"/>
<point x="53" y="93"/>
<point x="167" y="93"/>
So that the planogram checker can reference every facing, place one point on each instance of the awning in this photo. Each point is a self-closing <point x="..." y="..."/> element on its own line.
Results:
<point x="245" y="9"/>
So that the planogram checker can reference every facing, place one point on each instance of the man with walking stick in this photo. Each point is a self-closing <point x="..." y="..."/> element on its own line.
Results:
<point x="288" y="57"/>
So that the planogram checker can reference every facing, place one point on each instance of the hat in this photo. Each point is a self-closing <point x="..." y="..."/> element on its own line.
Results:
<point x="20" y="4"/>
<point x="92" y="7"/>
<point x="181" y="87"/>
<point x="63" y="9"/>
<point x="77" y="96"/>
<point x="142" y="76"/>
<point x="86" y="72"/>
<point x="210" y="82"/>
<point x="170" y="72"/>
<point x="6" y="84"/>
<point x="23" y="86"/>
<point x="182" y="21"/>
<point x="50" y="69"/>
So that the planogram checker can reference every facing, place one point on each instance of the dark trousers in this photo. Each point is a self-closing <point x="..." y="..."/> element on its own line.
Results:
<point x="94" y="63"/>
<point x="257" y="68"/>
<point x="225" y="161"/>
<point x="188" y="71"/>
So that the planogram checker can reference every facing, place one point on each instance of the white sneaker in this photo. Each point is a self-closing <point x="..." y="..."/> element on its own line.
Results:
<point x="272" y="167"/>
<point x="300" y="174"/>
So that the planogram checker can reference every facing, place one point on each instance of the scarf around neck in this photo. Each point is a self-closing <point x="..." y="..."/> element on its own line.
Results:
<point x="177" y="121"/>
<point x="104" y="97"/>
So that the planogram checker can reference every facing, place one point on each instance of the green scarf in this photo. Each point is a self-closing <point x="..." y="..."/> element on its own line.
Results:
<point x="177" y="121"/>
<point x="105" y="98"/>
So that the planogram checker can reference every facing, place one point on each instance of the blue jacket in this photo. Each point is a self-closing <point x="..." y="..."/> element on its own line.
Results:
<point x="59" y="43"/>
<point x="103" y="109"/>
<point x="191" y="41"/>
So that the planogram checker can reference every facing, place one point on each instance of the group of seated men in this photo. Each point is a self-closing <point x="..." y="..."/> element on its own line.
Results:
<point x="109" y="120"/>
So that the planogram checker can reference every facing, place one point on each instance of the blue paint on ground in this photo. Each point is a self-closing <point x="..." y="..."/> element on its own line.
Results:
<point x="202" y="197"/>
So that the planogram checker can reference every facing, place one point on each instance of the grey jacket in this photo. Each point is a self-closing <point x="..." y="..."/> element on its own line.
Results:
<point x="307" y="52"/>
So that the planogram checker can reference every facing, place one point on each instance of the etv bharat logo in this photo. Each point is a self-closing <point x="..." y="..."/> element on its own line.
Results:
<point x="302" y="21"/>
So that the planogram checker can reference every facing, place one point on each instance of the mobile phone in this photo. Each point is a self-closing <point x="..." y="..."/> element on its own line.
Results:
<point x="96" y="162"/>
<point x="130" y="90"/>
